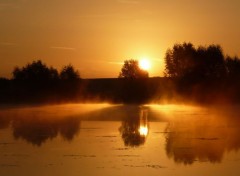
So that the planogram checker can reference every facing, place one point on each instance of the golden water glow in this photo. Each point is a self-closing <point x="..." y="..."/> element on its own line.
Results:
<point x="145" y="64"/>
<point x="143" y="130"/>
<point x="143" y="127"/>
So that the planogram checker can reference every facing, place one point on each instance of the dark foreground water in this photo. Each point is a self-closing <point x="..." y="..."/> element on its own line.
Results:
<point x="115" y="140"/>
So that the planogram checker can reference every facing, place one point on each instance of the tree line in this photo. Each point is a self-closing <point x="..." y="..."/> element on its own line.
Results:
<point x="38" y="72"/>
<point x="202" y="74"/>
<point x="201" y="63"/>
<point x="36" y="82"/>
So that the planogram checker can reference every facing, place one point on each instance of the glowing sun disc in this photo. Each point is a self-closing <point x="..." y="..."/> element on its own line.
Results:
<point x="144" y="64"/>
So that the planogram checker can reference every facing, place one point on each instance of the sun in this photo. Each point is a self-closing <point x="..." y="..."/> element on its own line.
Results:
<point x="144" y="64"/>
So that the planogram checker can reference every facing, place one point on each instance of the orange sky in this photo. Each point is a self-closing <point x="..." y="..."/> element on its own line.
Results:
<point x="96" y="36"/>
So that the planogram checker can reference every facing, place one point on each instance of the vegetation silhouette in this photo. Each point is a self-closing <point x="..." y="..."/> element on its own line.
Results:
<point x="232" y="67"/>
<point x="132" y="70"/>
<point x="134" y="88"/>
<point x="68" y="73"/>
<point x="36" y="72"/>
<point x="200" y="74"/>
<point x="203" y="74"/>
<point x="70" y="82"/>
<point x="36" y="83"/>
<point x="186" y="61"/>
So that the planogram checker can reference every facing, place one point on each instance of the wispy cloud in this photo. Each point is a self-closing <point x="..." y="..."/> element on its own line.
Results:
<point x="7" y="44"/>
<point x="107" y="62"/>
<point x="62" y="48"/>
<point x="128" y="1"/>
<point x="157" y="59"/>
<point x="10" y="3"/>
<point x="116" y="63"/>
<point x="5" y="4"/>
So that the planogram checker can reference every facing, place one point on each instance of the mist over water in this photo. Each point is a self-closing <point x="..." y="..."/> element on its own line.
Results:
<point x="107" y="139"/>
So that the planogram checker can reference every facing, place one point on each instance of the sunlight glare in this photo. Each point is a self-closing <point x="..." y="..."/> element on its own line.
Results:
<point x="143" y="130"/>
<point x="144" y="64"/>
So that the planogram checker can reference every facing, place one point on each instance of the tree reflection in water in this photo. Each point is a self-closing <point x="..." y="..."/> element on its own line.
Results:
<point x="134" y="129"/>
<point x="37" y="125"/>
<point x="198" y="136"/>
<point x="203" y="138"/>
<point x="39" y="130"/>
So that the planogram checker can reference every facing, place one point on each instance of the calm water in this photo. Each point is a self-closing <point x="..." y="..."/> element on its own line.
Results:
<point x="111" y="140"/>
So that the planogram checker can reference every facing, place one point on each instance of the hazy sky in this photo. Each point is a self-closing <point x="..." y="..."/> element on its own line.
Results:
<point x="96" y="36"/>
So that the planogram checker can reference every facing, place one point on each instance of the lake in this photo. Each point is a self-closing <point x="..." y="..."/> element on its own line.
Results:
<point x="103" y="139"/>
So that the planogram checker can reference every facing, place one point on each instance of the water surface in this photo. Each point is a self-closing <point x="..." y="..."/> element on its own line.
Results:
<point x="104" y="139"/>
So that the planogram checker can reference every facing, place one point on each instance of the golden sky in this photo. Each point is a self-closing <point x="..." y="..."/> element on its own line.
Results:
<point x="96" y="36"/>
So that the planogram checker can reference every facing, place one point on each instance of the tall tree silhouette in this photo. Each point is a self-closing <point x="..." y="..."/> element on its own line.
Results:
<point x="184" y="60"/>
<point x="210" y="62"/>
<point x="179" y="60"/>
<point x="131" y="69"/>
<point x="199" y="72"/>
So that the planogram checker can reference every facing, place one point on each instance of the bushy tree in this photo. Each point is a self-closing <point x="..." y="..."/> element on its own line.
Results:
<point x="184" y="60"/>
<point x="210" y="62"/>
<point x="70" y="84"/>
<point x="132" y="70"/>
<point x="179" y="60"/>
<point x="35" y="82"/>
<point x="35" y="71"/>
<point x="69" y="73"/>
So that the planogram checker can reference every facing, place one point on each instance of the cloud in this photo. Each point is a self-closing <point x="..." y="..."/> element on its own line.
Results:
<point x="7" y="44"/>
<point x="128" y="1"/>
<point x="116" y="63"/>
<point x="157" y="59"/>
<point x="107" y="62"/>
<point x="5" y="4"/>
<point x="10" y="3"/>
<point x="62" y="48"/>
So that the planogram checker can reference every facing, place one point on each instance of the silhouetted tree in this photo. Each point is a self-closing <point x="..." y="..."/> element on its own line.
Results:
<point x="5" y="87"/>
<point x="69" y="73"/>
<point x="179" y="60"/>
<point x="34" y="82"/>
<point x="210" y="62"/>
<point x="36" y="71"/>
<point x="233" y="67"/>
<point x="199" y="72"/>
<point x="132" y="70"/>
<point x="134" y="88"/>
<point x="185" y="61"/>
<point x="70" y="82"/>
<point x="233" y="75"/>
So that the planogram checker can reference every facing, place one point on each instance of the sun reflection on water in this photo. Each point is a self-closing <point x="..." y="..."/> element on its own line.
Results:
<point x="143" y="130"/>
